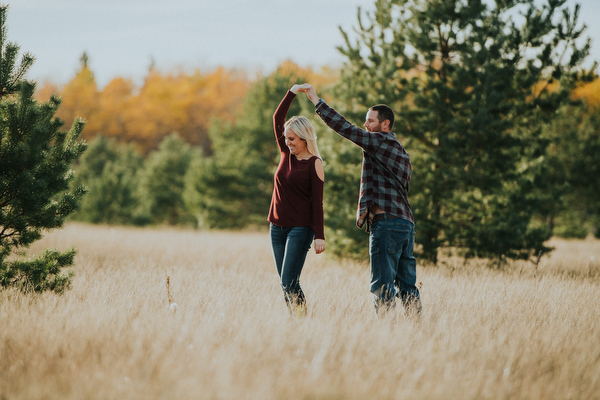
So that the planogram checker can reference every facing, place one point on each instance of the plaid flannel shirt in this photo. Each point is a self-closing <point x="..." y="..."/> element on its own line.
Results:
<point x="386" y="168"/>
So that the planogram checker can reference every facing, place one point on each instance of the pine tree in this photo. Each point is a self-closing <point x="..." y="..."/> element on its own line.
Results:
<point x="11" y="75"/>
<point x="35" y="155"/>
<point x="162" y="182"/>
<point x="110" y="172"/>
<point x="574" y="154"/>
<point x="472" y="85"/>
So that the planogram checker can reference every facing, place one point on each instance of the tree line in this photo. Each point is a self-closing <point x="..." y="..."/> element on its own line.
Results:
<point x="182" y="101"/>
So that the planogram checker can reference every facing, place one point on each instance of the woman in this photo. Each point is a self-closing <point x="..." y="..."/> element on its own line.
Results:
<point x="296" y="212"/>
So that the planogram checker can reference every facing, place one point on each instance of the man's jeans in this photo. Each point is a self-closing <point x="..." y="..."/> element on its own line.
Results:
<point x="290" y="246"/>
<point x="393" y="267"/>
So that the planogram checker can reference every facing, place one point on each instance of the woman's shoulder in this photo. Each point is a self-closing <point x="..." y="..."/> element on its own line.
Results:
<point x="313" y="161"/>
<point x="317" y="164"/>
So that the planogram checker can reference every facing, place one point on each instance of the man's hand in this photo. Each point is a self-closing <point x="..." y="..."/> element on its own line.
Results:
<point x="319" y="246"/>
<point x="309" y="90"/>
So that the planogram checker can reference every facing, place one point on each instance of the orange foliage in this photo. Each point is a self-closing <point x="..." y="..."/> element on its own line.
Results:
<point x="184" y="103"/>
<point x="590" y="93"/>
<point x="44" y="92"/>
<point x="80" y="99"/>
<point x="114" y="101"/>
<point x="181" y="102"/>
<point x="324" y="77"/>
<point x="543" y="86"/>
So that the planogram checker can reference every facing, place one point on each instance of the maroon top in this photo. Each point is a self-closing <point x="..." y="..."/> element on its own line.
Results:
<point x="298" y="191"/>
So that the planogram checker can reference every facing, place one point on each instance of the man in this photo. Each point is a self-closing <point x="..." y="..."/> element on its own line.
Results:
<point x="383" y="205"/>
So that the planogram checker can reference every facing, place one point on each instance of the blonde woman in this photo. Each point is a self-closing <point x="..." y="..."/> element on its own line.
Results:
<point x="296" y="212"/>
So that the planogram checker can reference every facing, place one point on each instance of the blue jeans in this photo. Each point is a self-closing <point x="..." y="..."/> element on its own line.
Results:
<point x="290" y="246"/>
<point x="393" y="266"/>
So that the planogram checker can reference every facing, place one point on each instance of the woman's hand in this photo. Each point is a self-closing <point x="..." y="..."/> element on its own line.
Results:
<point x="319" y="246"/>
<point x="300" y="88"/>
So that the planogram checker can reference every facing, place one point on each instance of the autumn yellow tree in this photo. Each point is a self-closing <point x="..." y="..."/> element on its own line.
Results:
<point x="44" y="91"/>
<point x="181" y="102"/>
<point x="80" y="99"/>
<point x="590" y="93"/>
<point x="114" y="101"/>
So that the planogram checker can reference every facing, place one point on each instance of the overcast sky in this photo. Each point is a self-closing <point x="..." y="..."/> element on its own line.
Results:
<point x="123" y="37"/>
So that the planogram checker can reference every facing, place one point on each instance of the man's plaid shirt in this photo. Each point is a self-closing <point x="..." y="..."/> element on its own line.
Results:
<point x="386" y="168"/>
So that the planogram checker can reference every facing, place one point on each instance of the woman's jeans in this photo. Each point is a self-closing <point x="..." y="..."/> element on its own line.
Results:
<point x="290" y="246"/>
<point x="393" y="266"/>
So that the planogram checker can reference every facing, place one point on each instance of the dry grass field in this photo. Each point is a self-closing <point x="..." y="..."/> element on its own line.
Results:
<point x="512" y="334"/>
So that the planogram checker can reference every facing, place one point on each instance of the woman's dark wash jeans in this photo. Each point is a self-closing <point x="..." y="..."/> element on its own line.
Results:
<point x="290" y="246"/>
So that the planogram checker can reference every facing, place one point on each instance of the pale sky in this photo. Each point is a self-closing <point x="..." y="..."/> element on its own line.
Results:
<point x="123" y="37"/>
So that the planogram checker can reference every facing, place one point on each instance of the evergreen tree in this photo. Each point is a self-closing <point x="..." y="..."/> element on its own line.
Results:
<point x="35" y="155"/>
<point x="109" y="171"/>
<point x="11" y="75"/>
<point x="472" y="84"/>
<point x="162" y="182"/>
<point x="574" y="154"/>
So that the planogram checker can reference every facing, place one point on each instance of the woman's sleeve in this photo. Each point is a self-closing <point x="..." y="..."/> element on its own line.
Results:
<point x="279" y="119"/>
<point x="317" y="204"/>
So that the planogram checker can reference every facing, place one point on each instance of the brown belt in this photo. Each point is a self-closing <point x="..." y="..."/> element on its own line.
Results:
<point x="384" y="216"/>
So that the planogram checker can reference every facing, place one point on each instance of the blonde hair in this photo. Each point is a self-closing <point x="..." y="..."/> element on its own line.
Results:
<point x="302" y="127"/>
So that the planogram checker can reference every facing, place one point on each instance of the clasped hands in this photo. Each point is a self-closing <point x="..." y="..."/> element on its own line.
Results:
<point x="308" y="89"/>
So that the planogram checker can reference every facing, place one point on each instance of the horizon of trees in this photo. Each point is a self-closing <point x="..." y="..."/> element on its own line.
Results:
<point x="186" y="103"/>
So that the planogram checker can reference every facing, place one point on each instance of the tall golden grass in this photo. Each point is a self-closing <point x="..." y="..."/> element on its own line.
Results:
<point x="516" y="333"/>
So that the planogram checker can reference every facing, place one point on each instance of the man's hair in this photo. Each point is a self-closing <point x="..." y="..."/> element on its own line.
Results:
<point x="384" y="112"/>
